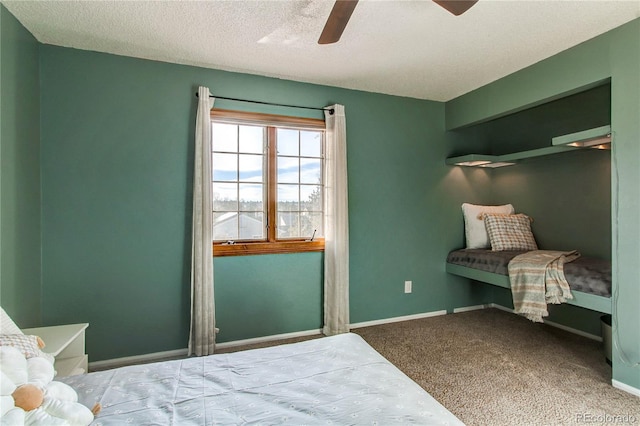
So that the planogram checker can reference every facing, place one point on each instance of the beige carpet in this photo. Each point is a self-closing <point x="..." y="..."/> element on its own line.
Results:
<point x="491" y="367"/>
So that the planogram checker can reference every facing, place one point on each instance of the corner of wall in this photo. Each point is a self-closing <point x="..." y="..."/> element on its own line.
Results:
<point x="20" y="201"/>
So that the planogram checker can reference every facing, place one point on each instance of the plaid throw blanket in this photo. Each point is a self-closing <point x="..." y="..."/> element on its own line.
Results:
<point x="537" y="278"/>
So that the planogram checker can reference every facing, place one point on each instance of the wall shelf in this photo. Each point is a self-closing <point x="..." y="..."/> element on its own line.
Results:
<point x="598" y="137"/>
<point x="585" y="139"/>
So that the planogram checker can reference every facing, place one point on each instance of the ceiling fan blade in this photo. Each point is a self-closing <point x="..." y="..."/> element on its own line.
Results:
<point x="457" y="7"/>
<point x="337" y="21"/>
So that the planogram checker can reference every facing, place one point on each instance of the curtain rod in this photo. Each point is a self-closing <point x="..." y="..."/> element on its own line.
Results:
<point x="331" y="110"/>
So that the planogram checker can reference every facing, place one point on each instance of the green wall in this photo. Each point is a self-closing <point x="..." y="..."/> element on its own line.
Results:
<point x="294" y="306"/>
<point x="20" y="241"/>
<point x="625" y="69"/>
<point x="116" y="171"/>
<point x="614" y="56"/>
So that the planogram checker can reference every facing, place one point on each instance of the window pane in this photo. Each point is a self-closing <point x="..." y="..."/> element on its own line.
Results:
<point x="310" y="170"/>
<point x="310" y="222"/>
<point x="224" y="137"/>
<point x="288" y="169"/>
<point x="288" y="142"/>
<point x="252" y="226"/>
<point x="311" y="198"/>
<point x="225" y="226"/>
<point x="252" y="139"/>
<point x="288" y="198"/>
<point x="310" y="144"/>
<point x="251" y="196"/>
<point x="225" y="197"/>
<point x="242" y="173"/>
<point x="288" y="225"/>
<point x="225" y="167"/>
<point x="251" y="169"/>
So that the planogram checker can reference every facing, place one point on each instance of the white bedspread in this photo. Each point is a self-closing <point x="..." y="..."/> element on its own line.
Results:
<point x="335" y="380"/>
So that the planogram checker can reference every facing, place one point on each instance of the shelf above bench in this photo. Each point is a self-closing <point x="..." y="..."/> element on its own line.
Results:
<point x="599" y="137"/>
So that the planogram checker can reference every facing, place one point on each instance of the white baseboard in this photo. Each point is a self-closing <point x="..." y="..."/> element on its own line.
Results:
<point x="574" y="331"/>
<point x="313" y="332"/>
<point x="267" y="338"/>
<point x="502" y="308"/>
<point x="398" y="319"/>
<point x="622" y="386"/>
<point x="136" y="359"/>
<point x="555" y="324"/>
<point x="118" y="362"/>
<point x="159" y="356"/>
<point x="470" y="308"/>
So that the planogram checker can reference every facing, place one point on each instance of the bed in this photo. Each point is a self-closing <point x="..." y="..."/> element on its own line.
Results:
<point x="588" y="278"/>
<point x="331" y="380"/>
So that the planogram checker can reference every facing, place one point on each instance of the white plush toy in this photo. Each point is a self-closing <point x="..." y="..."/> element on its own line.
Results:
<point x="28" y="396"/>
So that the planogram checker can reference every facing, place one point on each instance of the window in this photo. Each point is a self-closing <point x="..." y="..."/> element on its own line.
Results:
<point x="268" y="185"/>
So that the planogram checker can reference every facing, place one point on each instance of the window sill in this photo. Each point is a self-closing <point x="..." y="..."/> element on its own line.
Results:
<point x="243" y="249"/>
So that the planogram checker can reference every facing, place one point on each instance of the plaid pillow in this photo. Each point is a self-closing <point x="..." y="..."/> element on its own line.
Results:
<point x="28" y="345"/>
<point x="509" y="232"/>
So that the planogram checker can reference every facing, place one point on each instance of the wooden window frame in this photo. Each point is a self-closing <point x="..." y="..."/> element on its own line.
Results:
<point x="271" y="245"/>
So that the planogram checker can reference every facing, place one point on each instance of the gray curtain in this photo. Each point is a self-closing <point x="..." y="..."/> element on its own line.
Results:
<point x="202" y="336"/>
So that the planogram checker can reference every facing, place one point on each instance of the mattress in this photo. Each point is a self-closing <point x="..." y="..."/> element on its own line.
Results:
<point x="585" y="274"/>
<point x="332" y="380"/>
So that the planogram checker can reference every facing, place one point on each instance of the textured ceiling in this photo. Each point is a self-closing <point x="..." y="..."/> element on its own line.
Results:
<point x="407" y="48"/>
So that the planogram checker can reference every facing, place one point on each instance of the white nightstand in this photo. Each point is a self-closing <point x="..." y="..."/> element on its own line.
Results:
<point x="66" y="344"/>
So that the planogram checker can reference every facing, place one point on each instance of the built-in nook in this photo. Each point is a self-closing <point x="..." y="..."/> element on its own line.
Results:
<point x="568" y="194"/>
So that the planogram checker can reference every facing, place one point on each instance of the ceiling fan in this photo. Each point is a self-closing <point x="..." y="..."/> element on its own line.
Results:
<point x="342" y="10"/>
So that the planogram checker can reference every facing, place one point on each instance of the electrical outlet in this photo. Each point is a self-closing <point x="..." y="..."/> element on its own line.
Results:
<point x="407" y="286"/>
